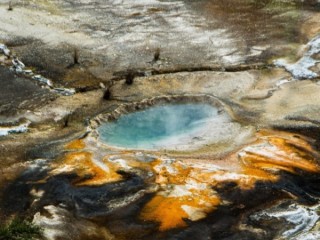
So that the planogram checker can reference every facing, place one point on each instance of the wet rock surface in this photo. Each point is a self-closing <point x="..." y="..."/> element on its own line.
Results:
<point x="69" y="66"/>
<point x="19" y="94"/>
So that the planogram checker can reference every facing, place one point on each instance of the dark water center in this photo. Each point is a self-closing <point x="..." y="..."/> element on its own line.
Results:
<point x="144" y="129"/>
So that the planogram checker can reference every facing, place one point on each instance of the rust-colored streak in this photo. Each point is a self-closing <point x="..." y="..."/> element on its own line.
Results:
<point x="258" y="173"/>
<point x="255" y="174"/>
<point x="285" y="153"/>
<point x="88" y="172"/>
<point x="187" y="187"/>
<point x="183" y="196"/>
<point x="166" y="211"/>
<point x="169" y="212"/>
<point x="75" y="145"/>
<point x="296" y="149"/>
<point x="164" y="177"/>
<point x="261" y="161"/>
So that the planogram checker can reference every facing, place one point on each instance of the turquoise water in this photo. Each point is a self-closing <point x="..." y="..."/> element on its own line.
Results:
<point x="143" y="129"/>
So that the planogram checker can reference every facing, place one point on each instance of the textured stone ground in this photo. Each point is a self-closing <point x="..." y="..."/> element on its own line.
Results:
<point x="65" y="179"/>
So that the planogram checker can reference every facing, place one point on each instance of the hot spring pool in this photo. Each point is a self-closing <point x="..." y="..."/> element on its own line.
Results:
<point x="158" y="126"/>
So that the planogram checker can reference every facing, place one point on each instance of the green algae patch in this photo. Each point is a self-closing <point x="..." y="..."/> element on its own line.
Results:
<point x="19" y="229"/>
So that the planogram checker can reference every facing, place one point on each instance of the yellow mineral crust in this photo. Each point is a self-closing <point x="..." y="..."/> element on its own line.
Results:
<point x="170" y="211"/>
<point x="165" y="210"/>
<point x="76" y="144"/>
<point x="285" y="152"/>
<point x="89" y="172"/>
<point x="187" y="192"/>
<point x="187" y="186"/>
<point x="261" y="161"/>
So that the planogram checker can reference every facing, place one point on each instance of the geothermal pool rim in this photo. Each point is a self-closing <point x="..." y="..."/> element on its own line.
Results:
<point x="185" y="142"/>
<point x="156" y="101"/>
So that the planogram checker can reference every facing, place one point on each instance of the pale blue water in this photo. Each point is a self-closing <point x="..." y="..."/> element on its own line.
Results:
<point x="143" y="129"/>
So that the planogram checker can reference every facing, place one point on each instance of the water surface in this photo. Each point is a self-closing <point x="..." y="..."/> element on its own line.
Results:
<point x="144" y="129"/>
